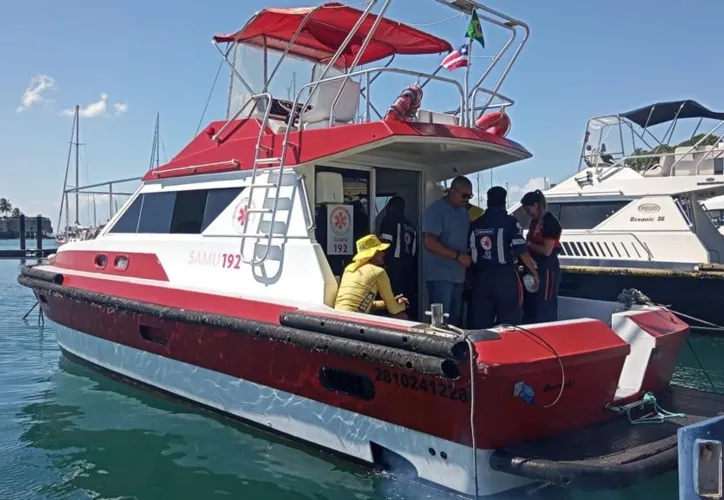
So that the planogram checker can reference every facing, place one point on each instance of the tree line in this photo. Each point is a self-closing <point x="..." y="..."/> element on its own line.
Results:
<point x="644" y="163"/>
<point x="7" y="208"/>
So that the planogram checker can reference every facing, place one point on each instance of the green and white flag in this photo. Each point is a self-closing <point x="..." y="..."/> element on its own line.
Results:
<point x="474" y="30"/>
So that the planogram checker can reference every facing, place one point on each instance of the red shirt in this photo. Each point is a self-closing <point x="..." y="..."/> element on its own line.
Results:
<point x="548" y="229"/>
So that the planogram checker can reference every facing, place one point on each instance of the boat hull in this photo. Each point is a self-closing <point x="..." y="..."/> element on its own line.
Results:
<point x="341" y="431"/>
<point x="695" y="294"/>
<point x="370" y="402"/>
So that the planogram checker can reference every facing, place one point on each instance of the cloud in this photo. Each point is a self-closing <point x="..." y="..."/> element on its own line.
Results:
<point x="34" y="93"/>
<point x="120" y="107"/>
<point x="98" y="108"/>
<point x="92" y="110"/>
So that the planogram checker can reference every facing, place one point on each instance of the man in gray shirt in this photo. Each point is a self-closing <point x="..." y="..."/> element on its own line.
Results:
<point x="445" y="255"/>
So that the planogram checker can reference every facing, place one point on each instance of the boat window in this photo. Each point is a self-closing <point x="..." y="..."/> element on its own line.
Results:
<point x="128" y="222"/>
<point x="216" y="202"/>
<point x="577" y="215"/>
<point x="156" y="212"/>
<point x="188" y="212"/>
<point x="584" y="215"/>
<point x="175" y="212"/>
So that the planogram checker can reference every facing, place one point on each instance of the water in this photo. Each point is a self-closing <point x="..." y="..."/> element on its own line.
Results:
<point x="29" y="244"/>
<point x="69" y="433"/>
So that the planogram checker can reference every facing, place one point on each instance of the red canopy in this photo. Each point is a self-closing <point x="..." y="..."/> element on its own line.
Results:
<point x="327" y="28"/>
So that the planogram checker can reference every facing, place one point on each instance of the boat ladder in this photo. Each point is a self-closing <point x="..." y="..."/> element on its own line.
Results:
<point x="277" y="164"/>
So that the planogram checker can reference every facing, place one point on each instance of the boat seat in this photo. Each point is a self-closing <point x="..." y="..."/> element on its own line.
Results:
<point x="344" y="112"/>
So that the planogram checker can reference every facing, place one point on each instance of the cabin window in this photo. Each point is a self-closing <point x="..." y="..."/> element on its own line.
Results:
<point x="128" y="222"/>
<point x="216" y="202"/>
<point x="576" y="215"/>
<point x="156" y="212"/>
<point x="175" y="212"/>
<point x="188" y="212"/>
<point x="585" y="215"/>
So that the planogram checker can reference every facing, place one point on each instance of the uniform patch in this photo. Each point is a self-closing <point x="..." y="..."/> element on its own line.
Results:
<point x="486" y="243"/>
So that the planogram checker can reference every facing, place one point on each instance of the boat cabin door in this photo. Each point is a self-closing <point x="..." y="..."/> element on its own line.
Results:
<point x="351" y="202"/>
<point x="403" y="258"/>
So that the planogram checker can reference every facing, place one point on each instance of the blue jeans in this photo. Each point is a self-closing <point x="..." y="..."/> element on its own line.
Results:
<point x="450" y="295"/>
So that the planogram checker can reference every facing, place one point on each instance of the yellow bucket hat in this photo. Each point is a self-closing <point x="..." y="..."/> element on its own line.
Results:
<point x="367" y="247"/>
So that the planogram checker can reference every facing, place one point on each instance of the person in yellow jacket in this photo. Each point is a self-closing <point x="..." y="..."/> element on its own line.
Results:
<point x="365" y="278"/>
<point x="474" y="212"/>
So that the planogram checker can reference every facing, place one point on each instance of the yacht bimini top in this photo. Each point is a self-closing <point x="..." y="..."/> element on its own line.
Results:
<point x="317" y="33"/>
<point x="663" y="112"/>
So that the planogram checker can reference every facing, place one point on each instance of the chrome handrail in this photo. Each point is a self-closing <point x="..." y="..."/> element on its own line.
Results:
<point x="346" y="76"/>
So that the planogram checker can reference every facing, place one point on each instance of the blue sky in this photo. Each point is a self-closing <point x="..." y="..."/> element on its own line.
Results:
<point x="582" y="59"/>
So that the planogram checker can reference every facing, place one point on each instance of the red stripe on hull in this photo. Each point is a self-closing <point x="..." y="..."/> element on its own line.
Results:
<point x="182" y="299"/>
<point x="140" y="265"/>
<point x="593" y="360"/>
<point x="286" y="367"/>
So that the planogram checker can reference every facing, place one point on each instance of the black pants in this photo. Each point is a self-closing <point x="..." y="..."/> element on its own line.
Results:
<point x="542" y="306"/>
<point x="496" y="297"/>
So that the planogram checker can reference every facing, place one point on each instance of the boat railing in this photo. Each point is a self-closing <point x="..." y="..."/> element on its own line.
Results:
<point x="692" y="149"/>
<point x="627" y="160"/>
<point x="93" y="190"/>
<point x="469" y="94"/>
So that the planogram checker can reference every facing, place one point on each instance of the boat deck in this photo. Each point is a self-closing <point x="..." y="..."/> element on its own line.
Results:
<point x="613" y="454"/>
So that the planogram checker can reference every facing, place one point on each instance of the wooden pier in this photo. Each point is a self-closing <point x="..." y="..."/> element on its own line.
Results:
<point x="23" y="251"/>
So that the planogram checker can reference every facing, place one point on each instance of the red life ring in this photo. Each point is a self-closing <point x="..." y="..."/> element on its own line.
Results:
<point x="406" y="105"/>
<point x="496" y="123"/>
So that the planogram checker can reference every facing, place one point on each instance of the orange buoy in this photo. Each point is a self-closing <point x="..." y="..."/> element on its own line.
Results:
<point x="496" y="123"/>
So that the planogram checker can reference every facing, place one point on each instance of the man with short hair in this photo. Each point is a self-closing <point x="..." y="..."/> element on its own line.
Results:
<point x="445" y="255"/>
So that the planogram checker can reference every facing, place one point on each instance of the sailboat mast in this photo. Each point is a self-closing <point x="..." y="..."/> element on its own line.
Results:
<point x="77" y="162"/>
<point x="155" y="149"/>
<point x="158" y="138"/>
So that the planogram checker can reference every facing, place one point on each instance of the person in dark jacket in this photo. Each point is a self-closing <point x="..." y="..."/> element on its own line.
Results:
<point x="496" y="243"/>
<point x="543" y="241"/>
<point x="401" y="256"/>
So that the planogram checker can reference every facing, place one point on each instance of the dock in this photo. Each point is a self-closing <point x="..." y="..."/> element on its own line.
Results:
<point x="24" y="252"/>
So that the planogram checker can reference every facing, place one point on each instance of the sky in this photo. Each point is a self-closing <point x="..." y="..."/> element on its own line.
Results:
<point x="123" y="62"/>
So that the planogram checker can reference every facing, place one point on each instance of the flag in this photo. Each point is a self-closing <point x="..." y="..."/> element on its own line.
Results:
<point x="456" y="59"/>
<point x="474" y="30"/>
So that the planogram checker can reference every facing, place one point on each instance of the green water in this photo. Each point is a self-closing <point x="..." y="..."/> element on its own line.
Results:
<point x="69" y="433"/>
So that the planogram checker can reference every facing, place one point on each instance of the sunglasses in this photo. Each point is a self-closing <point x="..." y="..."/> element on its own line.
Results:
<point x="464" y="196"/>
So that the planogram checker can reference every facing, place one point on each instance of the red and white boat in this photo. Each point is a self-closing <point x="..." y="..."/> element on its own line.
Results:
<point x="216" y="281"/>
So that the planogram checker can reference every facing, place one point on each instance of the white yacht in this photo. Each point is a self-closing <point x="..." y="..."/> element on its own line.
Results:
<point x="634" y="215"/>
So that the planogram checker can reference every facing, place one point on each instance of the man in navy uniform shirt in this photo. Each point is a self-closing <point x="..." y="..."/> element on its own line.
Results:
<point x="496" y="244"/>
<point x="401" y="261"/>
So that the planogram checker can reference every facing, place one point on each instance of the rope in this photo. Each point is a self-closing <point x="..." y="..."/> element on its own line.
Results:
<point x="31" y="310"/>
<point x="471" y="356"/>
<point x="657" y="417"/>
<point x="472" y="412"/>
<point x="422" y="25"/>
<point x="558" y="358"/>
<point x="208" y="99"/>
